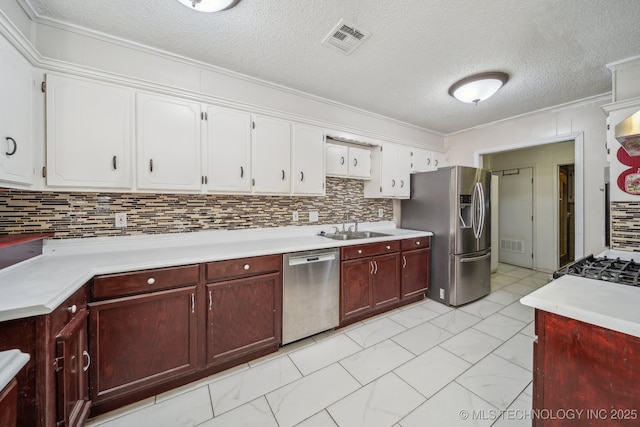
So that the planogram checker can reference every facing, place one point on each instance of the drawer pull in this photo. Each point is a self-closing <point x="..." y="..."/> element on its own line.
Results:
<point x="417" y="242"/>
<point x="151" y="281"/>
<point x="388" y="247"/>
<point x="73" y="309"/>
<point x="85" y="368"/>
<point x="371" y="264"/>
<point x="210" y="300"/>
<point x="193" y="303"/>
<point x="404" y="261"/>
<point x="359" y="251"/>
<point x="246" y="267"/>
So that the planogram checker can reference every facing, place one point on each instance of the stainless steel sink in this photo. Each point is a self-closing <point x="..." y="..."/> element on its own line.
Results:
<point x="354" y="235"/>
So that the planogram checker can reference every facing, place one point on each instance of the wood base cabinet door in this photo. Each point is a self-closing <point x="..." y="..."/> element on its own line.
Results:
<point x="355" y="297"/>
<point x="243" y="316"/>
<point x="385" y="280"/>
<point x="72" y="377"/>
<point x="142" y="340"/>
<point x="415" y="272"/>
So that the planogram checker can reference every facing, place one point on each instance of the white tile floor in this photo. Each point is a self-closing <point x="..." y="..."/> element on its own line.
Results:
<point x="423" y="364"/>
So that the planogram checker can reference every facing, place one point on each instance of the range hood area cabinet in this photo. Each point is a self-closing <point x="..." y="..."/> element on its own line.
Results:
<point x="390" y="172"/>
<point x="347" y="161"/>
<point x="622" y="165"/>
<point x="183" y="146"/>
<point x="16" y="135"/>
<point x="425" y="160"/>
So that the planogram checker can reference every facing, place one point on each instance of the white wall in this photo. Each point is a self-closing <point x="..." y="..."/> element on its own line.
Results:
<point x="544" y="159"/>
<point x="586" y="119"/>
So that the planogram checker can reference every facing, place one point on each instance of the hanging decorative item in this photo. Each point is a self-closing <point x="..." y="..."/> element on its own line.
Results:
<point x="629" y="180"/>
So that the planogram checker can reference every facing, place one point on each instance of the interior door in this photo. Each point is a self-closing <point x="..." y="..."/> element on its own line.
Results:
<point x="516" y="216"/>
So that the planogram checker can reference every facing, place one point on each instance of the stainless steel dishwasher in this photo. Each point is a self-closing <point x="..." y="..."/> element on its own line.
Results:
<point x="310" y="294"/>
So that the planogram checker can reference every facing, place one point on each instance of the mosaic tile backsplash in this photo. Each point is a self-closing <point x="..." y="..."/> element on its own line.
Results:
<point x="72" y="215"/>
<point x="625" y="226"/>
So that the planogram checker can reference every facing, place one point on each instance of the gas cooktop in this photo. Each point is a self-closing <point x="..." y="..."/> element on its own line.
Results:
<point x="615" y="270"/>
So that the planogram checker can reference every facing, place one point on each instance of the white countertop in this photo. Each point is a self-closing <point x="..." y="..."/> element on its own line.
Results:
<point x="41" y="284"/>
<point x="11" y="361"/>
<point x="609" y="305"/>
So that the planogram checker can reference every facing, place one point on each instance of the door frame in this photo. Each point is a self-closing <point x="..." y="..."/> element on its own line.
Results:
<point x="578" y="161"/>
<point x="556" y="208"/>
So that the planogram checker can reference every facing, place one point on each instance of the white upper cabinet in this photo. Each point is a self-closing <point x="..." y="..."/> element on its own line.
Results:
<point x="359" y="163"/>
<point x="16" y="83"/>
<point x="348" y="161"/>
<point x="228" y="149"/>
<point x="308" y="160"/>
<point x="271" y="156"/>
<point x="438" y="160"/>
<point x="391" y="169"/>
<point x="168" y="143"/>
<point x="425" y="161"/>
<point x="337" y="157"/>
<point x="88" y="131"/>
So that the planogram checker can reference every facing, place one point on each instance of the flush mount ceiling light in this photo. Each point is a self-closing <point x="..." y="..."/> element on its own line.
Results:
<point x="209" y="5"/>
<point x="478" y="87"/>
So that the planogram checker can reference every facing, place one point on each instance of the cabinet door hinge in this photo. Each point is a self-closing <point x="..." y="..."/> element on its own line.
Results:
<point x="44" y="171"/>
<point x="43" y="87"/>
<point x="58" y="364"/>
<point x="204" y="116"/>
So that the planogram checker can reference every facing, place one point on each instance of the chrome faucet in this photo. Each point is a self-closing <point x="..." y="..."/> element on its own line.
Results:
<point x="351" y="228"/>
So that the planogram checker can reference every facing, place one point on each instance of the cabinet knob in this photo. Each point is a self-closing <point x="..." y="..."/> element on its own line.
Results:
<point x="73" y="309"/>
<point x="246" y="266"/>
<point x="359" y="251"/>
<point x="388" y="247"/>
<point x="151" y="281"/>
<point x="417" y="242"/>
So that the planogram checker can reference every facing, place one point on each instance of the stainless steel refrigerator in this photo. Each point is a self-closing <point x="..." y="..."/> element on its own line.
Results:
<point x="453" y="203"/>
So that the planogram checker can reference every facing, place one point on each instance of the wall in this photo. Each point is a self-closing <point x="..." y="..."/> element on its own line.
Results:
<point x="72" y="215"/>
<point x="544" y="160"/>
<point x="586" y="118"/>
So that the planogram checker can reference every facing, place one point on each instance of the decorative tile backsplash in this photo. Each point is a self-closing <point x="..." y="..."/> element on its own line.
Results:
<point x="72" y="215"/>
<point x="625" y="226"/>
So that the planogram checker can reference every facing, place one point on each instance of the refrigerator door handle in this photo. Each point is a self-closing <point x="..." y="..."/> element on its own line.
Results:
<point x="476" y="258"/>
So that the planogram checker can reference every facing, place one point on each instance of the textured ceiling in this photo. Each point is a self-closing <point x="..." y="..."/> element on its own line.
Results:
<point x="555" y="51"/>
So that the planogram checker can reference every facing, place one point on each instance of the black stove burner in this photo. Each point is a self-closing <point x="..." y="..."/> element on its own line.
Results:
<point x="608" y="269"/>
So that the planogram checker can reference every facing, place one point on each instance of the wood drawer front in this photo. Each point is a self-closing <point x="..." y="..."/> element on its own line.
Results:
<point x="417" y="243"/>
<point x="243" y="267"/>
<point x="359" y="251"/>
<point x="68" y="309"/>
<point x="115" y="285"/>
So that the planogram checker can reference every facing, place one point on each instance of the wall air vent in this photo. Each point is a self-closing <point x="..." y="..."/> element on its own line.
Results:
<point x="346" y="37"/>
<point x="510" y="245"/>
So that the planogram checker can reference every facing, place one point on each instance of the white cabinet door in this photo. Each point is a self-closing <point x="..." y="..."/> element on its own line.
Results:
<point x="228" y="150"/>
<point x="438" y="160"/>
<point x="403" y="172"/>
<point x="308" y="160"/>
<point x="359" y="163"/>
<point x="16" y="160"/>
<point x="391" y="172"/>
<point x="389" y="182"/>
<point x="421" y="160"/>
<point x="88" y="133"/>
<point x="337" y="160"/>
<point x="271" y="156"/>
<point x="168" y="143"/>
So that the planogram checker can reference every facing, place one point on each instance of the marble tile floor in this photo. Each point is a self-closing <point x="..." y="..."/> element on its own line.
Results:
<point x="423" y="364"/>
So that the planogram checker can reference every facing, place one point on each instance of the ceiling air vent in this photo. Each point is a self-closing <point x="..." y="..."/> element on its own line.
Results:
<point x="346" y="37"/>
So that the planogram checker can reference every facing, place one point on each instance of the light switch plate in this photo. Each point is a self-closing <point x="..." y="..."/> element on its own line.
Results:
<point x="295" y="216"/>
<point x="121" y="220"/>
<point x="313" y="216"/>
<point x="380" y="213"/>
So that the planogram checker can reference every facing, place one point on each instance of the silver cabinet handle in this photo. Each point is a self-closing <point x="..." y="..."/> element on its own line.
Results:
<point x="210" y="300"/>
<point x="355" y="162"/>
<point x="246" y="267"/>
<point x="283" y="174"/>
<point x="342" y="160"/>
<point x="376" y="265"/>
<point x="417" y="242"/>
<point x="193" y="303"/>
<point x="15" y="146"/>
<point x="150" y="165"/>
<point x="388" y="247"/>
<point x="151" y="281"/>
<point x="85" y="368"/>
<point x="393" y="182"/>
<point x="359" y="251"/>
<point x="371" y="265"/>
<point x="428" y="162"/>
<point x="241" y="172"/>
<point x="301" y="176"/>
<point x="436" y="162"/>
<point x="404" y="261"/>
<point x="72" y="309"/>
<point x="115" y="163"/>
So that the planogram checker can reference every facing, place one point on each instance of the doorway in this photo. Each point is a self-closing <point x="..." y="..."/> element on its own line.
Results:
<point x="515" y="229"/>
<point x="566" y="214"/>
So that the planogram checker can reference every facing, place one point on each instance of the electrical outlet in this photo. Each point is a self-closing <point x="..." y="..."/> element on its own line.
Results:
<point x="441" y="293"/>
<point x="380" y="213"/>
<point x="295" y="215"/>
<point x="121" y="220"/>
<point x="313" y="216"/>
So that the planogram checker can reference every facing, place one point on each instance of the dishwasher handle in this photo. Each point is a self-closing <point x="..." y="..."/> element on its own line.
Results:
<point x="312" y="258"/>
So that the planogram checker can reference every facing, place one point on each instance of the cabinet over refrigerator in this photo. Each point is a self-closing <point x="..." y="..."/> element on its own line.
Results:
<point x="453" y="203"/>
